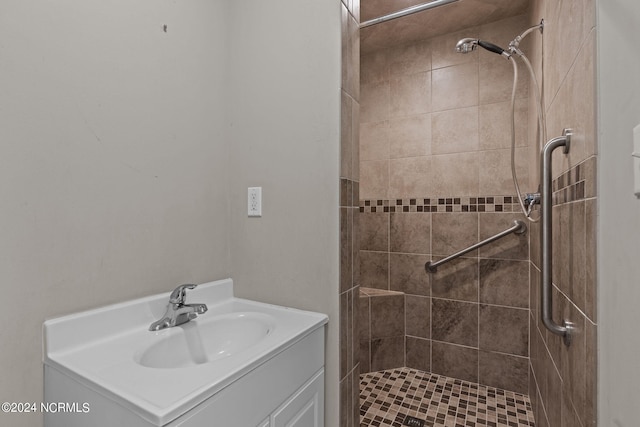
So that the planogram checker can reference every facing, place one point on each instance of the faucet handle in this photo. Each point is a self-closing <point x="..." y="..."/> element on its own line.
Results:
<point x="178" y="295"/>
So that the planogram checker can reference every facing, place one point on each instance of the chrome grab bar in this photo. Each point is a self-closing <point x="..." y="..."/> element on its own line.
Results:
<point x="518" y="227"/>
<point x="546" y="230"/>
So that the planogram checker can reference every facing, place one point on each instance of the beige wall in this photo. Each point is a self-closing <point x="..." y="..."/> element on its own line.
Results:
<point x="619" y="214"/>
<point x="563" y="392"/>
<point x="128" y="150"/>
<point x="113" y="176"/>
<point x="284" y="118"/>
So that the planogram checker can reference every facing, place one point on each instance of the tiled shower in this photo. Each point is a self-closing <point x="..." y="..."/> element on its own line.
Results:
<point x="434" y="177"/>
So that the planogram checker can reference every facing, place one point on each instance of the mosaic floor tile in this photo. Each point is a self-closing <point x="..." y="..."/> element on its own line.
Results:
<point x="387" y="397"/>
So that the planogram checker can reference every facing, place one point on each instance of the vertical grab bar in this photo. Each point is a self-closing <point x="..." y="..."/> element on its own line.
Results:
<point x="546" y="237"/>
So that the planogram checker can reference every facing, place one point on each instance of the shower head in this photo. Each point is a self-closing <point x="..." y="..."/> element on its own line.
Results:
<point x="469" y="45"/>
<point x="466" y="45"/>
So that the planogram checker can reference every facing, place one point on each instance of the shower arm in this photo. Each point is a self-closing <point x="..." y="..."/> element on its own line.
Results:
<point x="546" y="245"/>
<point x="514" y="45"/>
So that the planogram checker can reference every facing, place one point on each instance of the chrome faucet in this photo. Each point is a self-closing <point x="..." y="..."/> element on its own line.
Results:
<point x="177" y="311"/>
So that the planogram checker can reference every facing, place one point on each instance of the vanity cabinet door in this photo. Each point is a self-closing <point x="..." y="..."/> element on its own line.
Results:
<point x="305" y="408"/>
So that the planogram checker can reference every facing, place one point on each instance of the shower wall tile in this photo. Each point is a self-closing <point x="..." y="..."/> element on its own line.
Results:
<point x="495" y="127"/>
<point x="410" y="94"/>
<point x="418" y="316"/>
<point x="418" y="353"/>
<point x="346" y="252"/>
<point x="406" y="274"/>
<point x="503" y="371"/>
<point x="374" y="269"/>
<point x="504" y="330"/>
<point x="409" y="177"/>
<point x="374" y="179"/>
<point x="387" y="316"/>
<point x="387" y="353"/>
<point x="495" y="173"/>
<point x="456" y="173"/>
<point x="453" y="232"/>
<point x="349" y="174"/>
<point x="412" y="136"/>
<point x="374" y="67"/>
<point x="355" y="141"/>
<point x="577" y="254"/>
<point x="574" y="361"/>
<point x="455" y="86"/>
<point x="374" y="102"/>
<point x="454" y="322"/>
<point x="496" y="82"/>
<point x="410" y="233"/>
<point x="346" y="136"/>
<point x="410" y="59"/>
<point x="455" y="131"/>
<point x="353" y="58"/>
<point x="374" y="231"/>
<point x="457" y="279"/>
<point x="364" y="317"/>
<point x="590" y="259"/>
<point x="454" y="361"/>
<point x="504" y="282"/>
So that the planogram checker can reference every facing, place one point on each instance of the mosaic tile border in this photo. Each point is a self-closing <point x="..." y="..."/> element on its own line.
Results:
<point x="387" y="397"/>
<point x="442" y="204"/>
<point x="574" y="184"/>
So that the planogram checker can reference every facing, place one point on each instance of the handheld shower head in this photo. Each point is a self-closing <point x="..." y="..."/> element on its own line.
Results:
<point x="469" y="45"/>
<point x="466" y="45"/>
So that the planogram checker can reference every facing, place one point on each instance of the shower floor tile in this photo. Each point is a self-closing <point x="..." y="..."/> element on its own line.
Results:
<point x="387" y="397"/>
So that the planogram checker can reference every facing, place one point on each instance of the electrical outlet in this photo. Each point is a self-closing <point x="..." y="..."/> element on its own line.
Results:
<point x="254" y="201"/>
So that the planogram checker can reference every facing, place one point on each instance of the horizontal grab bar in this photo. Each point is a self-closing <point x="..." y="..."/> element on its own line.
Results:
<point x="518" y="227"/>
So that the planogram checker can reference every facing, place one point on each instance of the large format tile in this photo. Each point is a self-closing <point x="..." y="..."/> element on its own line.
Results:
<point x="374" y="269"/>
<point x="454" y="361"/>
<point x="453" y="232"/>
<point x="418" y="316"/>
<point x="374" y="231"/>
<point x="504" y="329"/>
<point x="387" y="316"/>
<point x="454" y="131"/>
<point x="454" y="322"/>
<point x="504" y="371"/>
<point x="410" y="233"/>
<point x="410" y="94"/>
<point x="387" y="353"/>
<point x="457" y="279"/>
<point x="455" y="86"/>
<point x="407" y="274"/>
<point x="504" y="282"/>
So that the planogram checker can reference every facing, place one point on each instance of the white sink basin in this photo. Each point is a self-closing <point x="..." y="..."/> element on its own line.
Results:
<point x="209" y="340"/>
<point x="160" y="375"/>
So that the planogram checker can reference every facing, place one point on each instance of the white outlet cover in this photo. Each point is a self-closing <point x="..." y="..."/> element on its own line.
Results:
<point x="254" y="201"/>
<point x="636" y="161"/>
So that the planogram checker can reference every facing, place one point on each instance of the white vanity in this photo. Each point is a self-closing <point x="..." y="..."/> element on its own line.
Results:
<point x="240" y="364"/>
